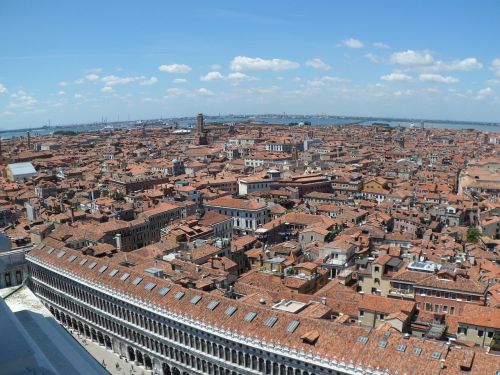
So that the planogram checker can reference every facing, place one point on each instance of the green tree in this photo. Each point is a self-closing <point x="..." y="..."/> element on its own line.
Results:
<point x="473" y="235"/>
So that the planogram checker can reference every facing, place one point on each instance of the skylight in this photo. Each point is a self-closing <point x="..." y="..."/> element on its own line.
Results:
<point x="137" y="280"/>
<point x="179" y="295"/>
<point x="292" y="326"/>
<point x="401" y="347"/>
<point x="149" y="286"/>
<point x="72" y="258"/>
<point x="213" y="304"/>
<point x="195" y="300"/>
<point x="363" y="339"/>
<point x="164" y="290"/>
<point x="61" y="254"/>
<point x="83" y="261"/>
<point x="113" y="272"/>
<point x="382" y="344"/>
<point x="417" y="351"/>
<point x="103" y="268"/>
<point x="230" y="310"/>
<point x="436" y="355"/>
<point x="269" y="322"/>
<point x="92" y="265"/>
<point x="250" y="316"/>
<point x="125" y="276"/>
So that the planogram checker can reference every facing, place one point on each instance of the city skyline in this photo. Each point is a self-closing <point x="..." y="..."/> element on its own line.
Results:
<point x="83" y="62"/>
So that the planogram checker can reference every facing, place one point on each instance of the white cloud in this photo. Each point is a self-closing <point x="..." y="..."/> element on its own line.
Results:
<point x="174" y="91"/>
<point x="324" y="81"/>
<point x="239" y="77"/>
<point x="92" y="77"/>
<point x="407" y="92"/>
<point x="3" y="89"/>
<point x="470" y="63"/>
<point x="148" y="82"/>
<point x="235" y="77"/>
<point x="212" y="76"/>
<point x="78" y="96"/>
<point x="107" y="89"/>
<point x="61" y="93"/>
<point x="495" y="66"/>
<point x="115" y="80"/>
<point x="373" y="58"/>
<point x="215" y="66"/>
<point x="484" y="93"/>
<point x="412" y="58"/>
<point x="352" y="43"/>
<point x="180" y="80"/>
<point x="317" y="63"/>
<point x="20" y="99"/>
<point x="75" y="82"/>
<point x="437" y="78"/>
<point x="174" y="68"/>
<point x="241" y="63"/>
<point x="396" y="76"/>
<point x="205" y="92"/>
<point x="380" y="45"/>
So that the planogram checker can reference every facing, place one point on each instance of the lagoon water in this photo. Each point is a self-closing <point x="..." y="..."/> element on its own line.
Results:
<point x="315" y="121"/>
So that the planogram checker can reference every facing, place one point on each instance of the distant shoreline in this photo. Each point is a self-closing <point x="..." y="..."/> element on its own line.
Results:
<point x="315" y="120"/>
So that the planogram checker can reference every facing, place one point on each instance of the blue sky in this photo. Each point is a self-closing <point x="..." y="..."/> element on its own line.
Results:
<point x="81" y="61"/>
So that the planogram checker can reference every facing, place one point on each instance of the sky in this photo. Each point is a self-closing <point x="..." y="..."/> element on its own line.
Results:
<point x="84" y="61"/>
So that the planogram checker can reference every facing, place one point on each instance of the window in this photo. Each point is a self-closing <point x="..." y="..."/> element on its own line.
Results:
<point x="480" y="333"/>
<point x="428" y="306"/>
<point x="452" y="310"/>
<point x="377" y="269"/>
<point x="381" y="316"/>
<point x="490" y="334"/>
<point x="361" y="313"/>
<point x="436" y="308"/>
<point x="445" y="309"/>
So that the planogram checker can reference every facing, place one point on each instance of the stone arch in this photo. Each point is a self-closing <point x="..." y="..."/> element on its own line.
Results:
<point x="139" y="358"/>
<point x="107" y="342"/>
<point x="147" y="362"/>
<point x="131" y="353"/>
<point x="93" y="334"/>
<point x="87" y="331"/>
<point x="100" y="338"/>
<point x="80" y="328"/>
<point x="165" y="369"/>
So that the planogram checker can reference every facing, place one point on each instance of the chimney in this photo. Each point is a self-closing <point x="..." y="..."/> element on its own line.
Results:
<point x="323" y="300"/>
<point x="118" y="239"/>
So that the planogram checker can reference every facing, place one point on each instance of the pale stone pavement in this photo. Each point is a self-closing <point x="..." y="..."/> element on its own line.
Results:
<point x="100" y="353"/>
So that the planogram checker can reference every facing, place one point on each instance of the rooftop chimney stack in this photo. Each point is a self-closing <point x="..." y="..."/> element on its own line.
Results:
<point x="118" y="239"/>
